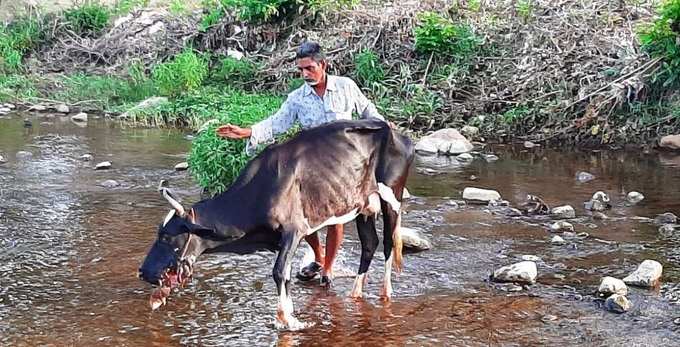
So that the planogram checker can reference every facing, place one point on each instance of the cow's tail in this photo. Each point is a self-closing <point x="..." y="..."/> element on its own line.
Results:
<point x="397" y="245"/>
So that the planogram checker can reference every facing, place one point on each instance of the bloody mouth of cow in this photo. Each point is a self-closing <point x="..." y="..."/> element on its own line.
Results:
<point x="171" y="278"/>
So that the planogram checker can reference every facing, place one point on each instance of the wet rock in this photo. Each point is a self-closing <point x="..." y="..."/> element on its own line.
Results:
<point x="535" y="205"/>
<point x="522" y="272"/>
<point x="599" y="216"/>
<point x="109" y="184"/>
<point x="444" y="141"/>
<point x="528" y="257"/>
<point x="483" y="195"/>
<point x="529" y="144"/>
<point x="4" y="110"/>
<point x="499" y="203"/>
<point x="182" y="166"/>
<point x="666" y="218"/>
<point x="634" y="197"/>
<point x="611" y="285"/>
<point x="61" y="108"/>
<point x="599" y="202"/>
<point x="2" y="159"/>
<point x="27" y="123"/>
<point x="38" y="107"/>
<point x="105" y="165"/>
<point x="490" y="158"/>
<point x="617" y="303"/>
<point x="472" y="178"/>
<point x="414" y="240"/>
<point x="557" y="240"/>
<point x="24" y="155"/>
<point x="465" y="157"/>
<point x="563" y="212"/>
<point x="9" y="106"/>
<point x="647" y="274"/>
<point x="667" y="228"/>
<point x="80" y="117"/>
<point x="670" y="142"/>
<point x="584" y="177"/>
<point x="86" y="157"/>
<point x="470" y="131"/>
<point x="189" y="137"/>
<point x="561" y="226"/>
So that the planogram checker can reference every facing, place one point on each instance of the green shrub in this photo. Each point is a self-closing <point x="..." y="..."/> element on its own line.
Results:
<point x="125" y="6"/>
<point x="88" y="20"/>
<point x="369" y="70"/>
<point x="215" y="162"/>
<point x="515" y="115"/>
<point x="438" y="35"/>
<point x="660" y="39"/>
<point x="211" y="18"/>
<point x="266" y="10"/>
<point x="236" y="71"/>
<point x="16" y="87"/>
<point x="15" y="40"/>
<point x="184" y="72"/>
<point x="178" y="7"/>
<point x="525" y="9"/>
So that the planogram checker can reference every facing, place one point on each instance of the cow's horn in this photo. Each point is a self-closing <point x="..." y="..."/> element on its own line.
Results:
<point x="165" y="192"/>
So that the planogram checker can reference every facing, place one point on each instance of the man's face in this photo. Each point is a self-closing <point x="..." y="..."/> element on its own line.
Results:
<point x="311" y="71"/>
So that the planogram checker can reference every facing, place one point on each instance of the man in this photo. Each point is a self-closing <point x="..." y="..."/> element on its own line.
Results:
<point x="323" y="98"/>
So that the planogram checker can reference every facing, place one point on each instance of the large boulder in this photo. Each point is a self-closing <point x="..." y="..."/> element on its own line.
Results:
<point x="414" y="241"/>
<point x="444" y="141"/>
<point x="480" y="195"/>
<point x="647" y="274"/>
<point x="611" y="285"/>
<point x="670" y="142"/>
<point x="522" y="272"/>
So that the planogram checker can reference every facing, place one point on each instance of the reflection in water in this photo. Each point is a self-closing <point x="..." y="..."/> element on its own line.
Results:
<point x="69" y="251"/>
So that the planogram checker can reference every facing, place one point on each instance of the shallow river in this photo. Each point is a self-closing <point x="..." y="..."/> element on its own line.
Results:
<point x="70" y="248"/>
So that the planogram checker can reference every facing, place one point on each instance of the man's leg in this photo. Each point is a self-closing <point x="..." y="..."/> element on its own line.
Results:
<point x="313" y="241"/>
<point x="334" y="238"/>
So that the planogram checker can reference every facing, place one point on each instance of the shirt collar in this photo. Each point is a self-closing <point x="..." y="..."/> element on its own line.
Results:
<point x="330" y="85"/>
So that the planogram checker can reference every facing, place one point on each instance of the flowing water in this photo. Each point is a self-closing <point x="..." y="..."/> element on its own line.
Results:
<point x="70" y="249"/>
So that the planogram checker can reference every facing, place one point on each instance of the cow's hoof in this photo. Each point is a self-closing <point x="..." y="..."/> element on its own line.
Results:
<point x="292" y="324"/>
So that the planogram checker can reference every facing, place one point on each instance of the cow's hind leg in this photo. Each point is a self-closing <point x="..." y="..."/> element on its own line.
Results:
<point x="369" y="242"/>
<point x="282" y="269"/>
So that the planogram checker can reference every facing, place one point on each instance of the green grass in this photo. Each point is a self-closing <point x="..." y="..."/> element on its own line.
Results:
<point x="16" y="39"/>
<point x="101" y="91"/>
<point x="234" y="71"/>
<point x="16" y="87"/>
<point x="183" y="73"/>
<point x="89" y="19"/>
<point x="369" y="69"/>
<point x="438" y="35"/>
<point x="660" y="39"/>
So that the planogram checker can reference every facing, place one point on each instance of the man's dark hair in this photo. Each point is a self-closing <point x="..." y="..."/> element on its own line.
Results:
<point x="310" y="50"/>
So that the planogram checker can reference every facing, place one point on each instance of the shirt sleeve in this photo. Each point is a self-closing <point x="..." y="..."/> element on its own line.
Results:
<point x="364" y="107"/>
<point x="278" y="123"/>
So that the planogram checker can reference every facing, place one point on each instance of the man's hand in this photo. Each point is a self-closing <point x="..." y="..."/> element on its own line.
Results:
<point x="233" y="132"/>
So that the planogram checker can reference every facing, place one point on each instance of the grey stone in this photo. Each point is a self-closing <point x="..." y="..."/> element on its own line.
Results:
<point x="465" y="157"/>
<point x="634" y="197"/>
<point x="561" y="226"/>
<point x="670" y="142"/>
<point x="23" y="155"/>
<point x="182" y="166"/>
<point x="666" y="218"/>
<point x="483" y="195"/>
<point x="611" y="285"/>
<point x="557" y="240"/>
<point x="529" y="144"/>
<point x="86" y="157"/>
<point x="61" y="108"/>
<point x="648" y="274"/>
<point x="469" y="131"/>
<point x="109" y="184"/>
<point x="490" y="158"/>
<point x="522" y="272"/>
<point x="103" y="165"/>
<point x="413" y="240"/>
<point x="4" y="110"/>
<point x="617" y="303"/>
<point x="80" y="117"/>
<point x="38" y="107"/>
<point x="584" y="177"/>
<point x="445" y="141"/>
<point x="9" y="106"/>
<point x="2" y="159"/>
<point x="563" y="212"/>
<point x="667" y="228"/>
<point x="599" y="216"/>
<point x="528" y="257"/>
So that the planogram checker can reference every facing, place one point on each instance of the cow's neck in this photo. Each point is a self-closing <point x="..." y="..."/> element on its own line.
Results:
<point x="215" y="215"/>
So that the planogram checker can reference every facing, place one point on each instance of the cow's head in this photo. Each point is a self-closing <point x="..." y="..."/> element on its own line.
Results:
<point x="170" y="260"/>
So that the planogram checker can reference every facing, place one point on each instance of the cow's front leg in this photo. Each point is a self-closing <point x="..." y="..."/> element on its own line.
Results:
<point x="282" y="268"/>
<point x="369" y="242"/>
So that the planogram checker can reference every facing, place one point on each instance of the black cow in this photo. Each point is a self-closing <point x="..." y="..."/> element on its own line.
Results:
<point x="324" y="176"/>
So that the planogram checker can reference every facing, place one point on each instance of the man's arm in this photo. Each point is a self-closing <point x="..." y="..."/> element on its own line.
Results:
<point x="364" y="107"/>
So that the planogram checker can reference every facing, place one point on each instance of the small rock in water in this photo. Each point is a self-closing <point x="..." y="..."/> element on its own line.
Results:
<point x="666" y="218"/>
<point x="4" y="110"/>
<point x="9" y="106"/>
<point x="563" y="212"/>
<point x="533" y="258"/>
<point x="584" y="177"/>
<point x="414" y="240"/>
<point x="38" y="107"/>
<point x="2" y="159"/>
<point x="647" y="274"/>
<point x="483" y="195"/>
<point x="80" y="117"/>
<point x="634" y="197"/>
<point x="499" y="203"/>
<point x="465" y="157"/>
<point x="599" y="202"/>
<point x="557" y="240"/>
<point x="182" y="166"/>
<point x="529" y="144"/>
<point x="473" y="178"/>
<point x="611" y="285"/>
<point x="27" y="123"/>
<point x="86" y="157"/>
<point x="103" y="165"/>
<point x="61" y="108"/>
<point x="189" y="137"/>
<point x="599" y="216"/>
<point x="561" y="226"/>
<point x="670" y="142"/>
<point x="490" y="158"/>
<point x="617" y="303"/>
<point x="522" y="272"/>
<point x="24" y="155"/>
<point x="109" y="184"/>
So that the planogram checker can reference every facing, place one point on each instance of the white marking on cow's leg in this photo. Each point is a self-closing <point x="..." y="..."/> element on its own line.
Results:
<point x="373" y="204"/>
<point x="359" y="282"/>
<point x="387" y="194"/>
<point x="333" y="221"/>
<point x="284" y="312"/>
<point x="386" y="291"/>
<point x="168" y="217"/>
